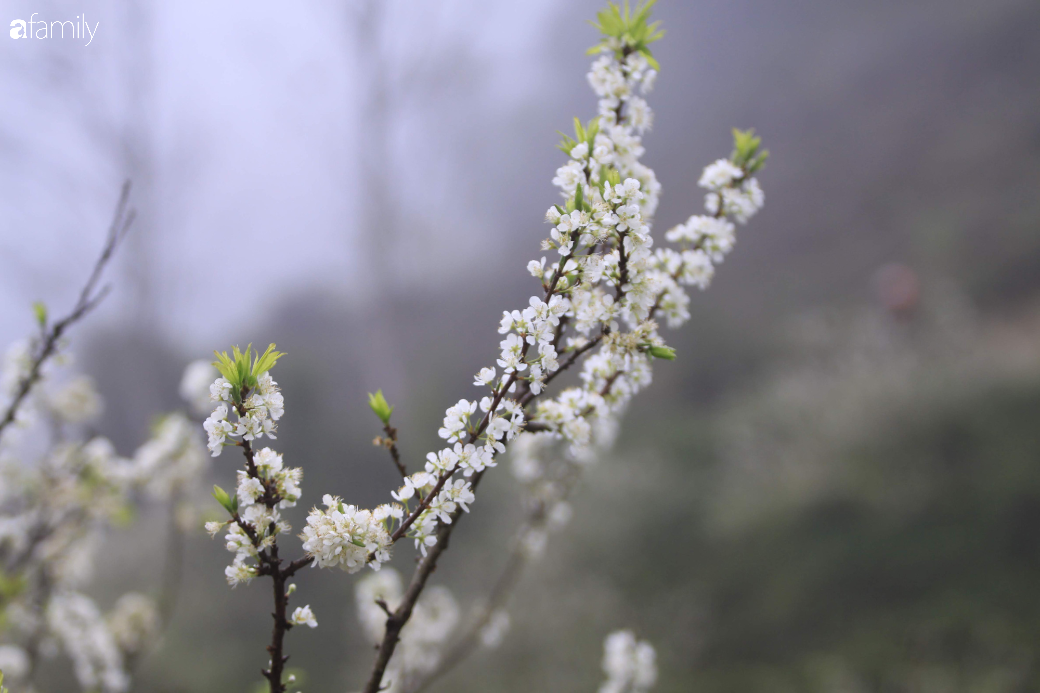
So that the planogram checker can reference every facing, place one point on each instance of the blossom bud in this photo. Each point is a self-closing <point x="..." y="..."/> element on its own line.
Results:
<point x="380" y="406"/>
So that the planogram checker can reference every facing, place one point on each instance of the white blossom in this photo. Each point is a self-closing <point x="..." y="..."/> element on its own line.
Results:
<point x="217" y="428"/>
<point x="249" y="489"/>
<point x="77" y="624"/>
<point x="485" y="377"/>
<point x="344" y="535"/>
<point x="133" y="622"/>
<point x="719" y="175"/>
<point x="195" y="387"/>
<point x="456" y="419"/>
<point x="494" y="631"/>
<point x="77" y="402"/>
<point x="629" y="664"/>
<point x="303" y="616"/>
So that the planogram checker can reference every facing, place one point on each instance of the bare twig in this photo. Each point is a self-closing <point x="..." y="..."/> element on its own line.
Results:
<point x="89" y="298"/>
<point x="390" y="443"/>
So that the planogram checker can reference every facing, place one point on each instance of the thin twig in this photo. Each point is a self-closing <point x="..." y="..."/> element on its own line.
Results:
<point x="390" y="443"/>
<point x="270" y="564"/>
<point x="89" y="298"/>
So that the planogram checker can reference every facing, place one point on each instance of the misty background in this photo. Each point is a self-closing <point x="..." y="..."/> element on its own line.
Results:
<point x="837" y="485"/>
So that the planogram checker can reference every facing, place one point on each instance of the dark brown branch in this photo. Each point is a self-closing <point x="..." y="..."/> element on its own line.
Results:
<point x="270" y="564"/>
<point x="499" y="597"/>
<point x="89" y="298"/>
<point x="396" y="621"/>
<point x="390" y="443"/>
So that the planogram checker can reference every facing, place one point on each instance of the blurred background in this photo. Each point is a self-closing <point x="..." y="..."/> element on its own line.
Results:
<point x="835" y="488"/>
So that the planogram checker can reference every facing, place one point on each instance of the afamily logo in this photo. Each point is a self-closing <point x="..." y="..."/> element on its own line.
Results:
<point x="35" y="28"/>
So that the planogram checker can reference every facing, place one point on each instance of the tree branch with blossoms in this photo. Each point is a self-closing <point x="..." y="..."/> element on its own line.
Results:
<point x="608" y="213"/>
<point x="597" y="307"/>
<point x="64" y="486"/>
<point x="247" y="391"/>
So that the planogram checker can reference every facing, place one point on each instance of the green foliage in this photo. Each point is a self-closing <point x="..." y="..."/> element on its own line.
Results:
<point x="40" y="311"/>
<point x="238" y="370"/>
<point x="230" y="503"/>
<point x="578" y="201"/>
<point x="582" y="133"/>
<point x="662" y="352"/>
<point x="380" y="406"/>
<point x="746" y="152"/>
<point x="11" y="586"/>
<point x="609" y="174"/>
<point x="3" y="689"/>
<point x="625" y="31"/>
<point x="123" y="515"/>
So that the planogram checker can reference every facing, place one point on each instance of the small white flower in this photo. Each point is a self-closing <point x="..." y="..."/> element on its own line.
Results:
<point x="537" y="267"/>
<point x="303" y="616"/>
<point x="719" y="174"/>
<point x="485" y="377"/>
<point x="220" y="390"/>
<point x="249" y="489"/>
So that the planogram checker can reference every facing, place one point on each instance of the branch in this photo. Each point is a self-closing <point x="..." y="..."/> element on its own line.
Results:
<point x="89" y="298"/>
<point x="516" y="562"/>
<point x="502" y="590"/>
<point x="270" y="564"/>
<point x="390" y="443"/>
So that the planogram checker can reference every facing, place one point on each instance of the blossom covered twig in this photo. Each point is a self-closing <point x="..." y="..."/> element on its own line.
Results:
<point x="246" y="390"/>
<point x="63" y="486"/>
<point x="607" y="286"/>
<point x="597" y="306"/>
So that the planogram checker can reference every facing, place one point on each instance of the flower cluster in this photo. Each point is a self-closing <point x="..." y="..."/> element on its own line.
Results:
<point x="76" y="622"/>
<point x="264" y="488"/>
<point x="172" y="458"/>
<point x="344" y="535"/>
<point x="265" y="485"/>
<point x="603" y="291"/>
<point x="601" y="295"/>
<point x="54" y="508"/>
<point x="599" y="298"/>
<point x="629" y="664"/>
<point x="612" y="251"/>
<point x="255" y="417"/>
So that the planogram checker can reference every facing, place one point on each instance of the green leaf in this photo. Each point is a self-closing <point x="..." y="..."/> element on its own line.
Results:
<point x="266" y="361"/>
<point x="609" y="174"/>
<point x="242" y="369"/>
<point x="746" y="151"/>
<point x="230" y="504"/>
<point x="662" y="352"/>
<point x="566" y="144"/>
<point x="591" y="130"/>
<point x="40" y="310"/>
<point x="627" y="30"/>
<point x="380" y="406"/>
